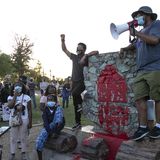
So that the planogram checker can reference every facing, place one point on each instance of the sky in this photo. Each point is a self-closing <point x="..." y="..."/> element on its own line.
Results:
<point x="86" y="21"/>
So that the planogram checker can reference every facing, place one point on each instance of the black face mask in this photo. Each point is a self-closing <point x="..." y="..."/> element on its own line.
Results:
<point x="79" y="51"/>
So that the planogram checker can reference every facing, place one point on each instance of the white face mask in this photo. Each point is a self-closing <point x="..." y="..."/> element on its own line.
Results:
<point x="140" y="20"/>
<point x="51" y="104"/>
<point x="18" y="89"/>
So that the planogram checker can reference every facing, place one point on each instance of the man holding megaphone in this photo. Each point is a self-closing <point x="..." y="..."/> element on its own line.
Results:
<point x="147" y="81"/>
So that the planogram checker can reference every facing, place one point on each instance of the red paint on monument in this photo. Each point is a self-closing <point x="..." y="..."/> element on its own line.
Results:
<point x="112" y="89"/>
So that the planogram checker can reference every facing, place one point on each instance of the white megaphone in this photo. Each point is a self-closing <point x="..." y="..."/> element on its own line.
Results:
<point x="116" y="30"/>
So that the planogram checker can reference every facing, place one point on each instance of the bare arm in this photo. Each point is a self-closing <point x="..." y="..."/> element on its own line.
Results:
<point x="64" y="48"/>
<point x="84" y="58"/>
<point x="42" y="106"/>
<point x="29" y="106"/>
<point x="125" y="49"/>
<point x="149" y="39"/>
<point x="12" y="102"/>
<point x="92" y="53"/>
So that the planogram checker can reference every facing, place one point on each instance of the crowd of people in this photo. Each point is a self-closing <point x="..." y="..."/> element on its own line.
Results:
<point x="20" y="96"/>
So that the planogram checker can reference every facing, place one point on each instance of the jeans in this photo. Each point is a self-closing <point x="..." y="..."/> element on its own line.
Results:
<point x="43" y="135"/>
<point x="33" y="98"/>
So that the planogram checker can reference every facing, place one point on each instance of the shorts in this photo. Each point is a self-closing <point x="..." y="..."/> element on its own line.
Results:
<point x="147" y="85"/>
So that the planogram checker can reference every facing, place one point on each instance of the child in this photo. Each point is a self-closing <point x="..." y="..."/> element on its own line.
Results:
<point x="54" y="122"/>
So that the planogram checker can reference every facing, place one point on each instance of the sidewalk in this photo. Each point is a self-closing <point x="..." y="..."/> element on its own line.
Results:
<point x="51" y="155"/>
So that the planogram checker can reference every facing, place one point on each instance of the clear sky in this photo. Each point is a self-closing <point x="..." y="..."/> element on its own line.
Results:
<point x="86" y="21"/>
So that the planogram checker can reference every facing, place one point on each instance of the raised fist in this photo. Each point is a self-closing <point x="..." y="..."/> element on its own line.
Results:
<point x="62" y="36"/>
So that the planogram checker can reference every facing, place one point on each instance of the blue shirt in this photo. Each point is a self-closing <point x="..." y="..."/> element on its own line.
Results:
<point x="148" y="56"/>
<point x="51" y="117"/>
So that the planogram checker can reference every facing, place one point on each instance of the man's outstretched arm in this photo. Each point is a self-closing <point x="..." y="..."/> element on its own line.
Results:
<point x="64" y="48"/>
<point x="85" y="57"/>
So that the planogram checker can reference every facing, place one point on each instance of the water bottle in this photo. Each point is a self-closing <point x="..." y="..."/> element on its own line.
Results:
<point x="151" y="110"/>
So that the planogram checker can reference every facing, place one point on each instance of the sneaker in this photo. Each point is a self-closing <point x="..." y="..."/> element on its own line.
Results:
<point x="76" y="126"/>
<point x="140" y="133"/>
<point x="79" y="108"/>
<point x="154" y="133"/>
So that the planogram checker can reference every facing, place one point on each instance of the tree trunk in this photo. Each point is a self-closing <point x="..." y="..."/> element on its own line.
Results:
<point x="148" y="149"/>
<point x="63" y="143"/>
<point x="94" y="149"/>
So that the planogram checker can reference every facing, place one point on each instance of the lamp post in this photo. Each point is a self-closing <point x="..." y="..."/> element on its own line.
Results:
<point x="50" y="73"/>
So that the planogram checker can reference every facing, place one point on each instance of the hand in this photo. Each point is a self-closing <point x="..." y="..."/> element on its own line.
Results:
<point x="93" y="53"/>
<point x="62" y="37"/>
<point x="133" y="31"/>
<point x="16" y="93"/>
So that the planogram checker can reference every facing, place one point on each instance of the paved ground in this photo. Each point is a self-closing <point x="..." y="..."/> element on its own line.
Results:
<point x="32" y="155"/>
<point x="4" y="140"/>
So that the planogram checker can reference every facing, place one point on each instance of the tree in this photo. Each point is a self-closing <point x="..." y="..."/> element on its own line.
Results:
<point x="6" y="66"/>
<point x="21" y="54"/>
<point x="36" y="72"/>
<point x="38" y="68"/>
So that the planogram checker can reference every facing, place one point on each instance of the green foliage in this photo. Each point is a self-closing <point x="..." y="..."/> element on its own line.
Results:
<point x="21" y="54"/>
<point x="6" y="66"/>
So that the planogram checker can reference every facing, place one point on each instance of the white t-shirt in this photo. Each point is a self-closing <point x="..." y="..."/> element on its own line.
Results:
<point x="43" y="99"/>
<point x="43" y="85"/>
<point x="24" y="99"/>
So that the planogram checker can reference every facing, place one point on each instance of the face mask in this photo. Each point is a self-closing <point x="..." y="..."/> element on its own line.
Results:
<point x="140" y="20"/>
<point x="18" y="89"/>
<point x="51" y="104"/>
<point x="79" y="52"/>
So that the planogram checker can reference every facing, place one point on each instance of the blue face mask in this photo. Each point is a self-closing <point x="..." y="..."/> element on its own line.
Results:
<point x="140" y="20"/>
<point x="18" y="89"/>
<point x="51" y="104"/>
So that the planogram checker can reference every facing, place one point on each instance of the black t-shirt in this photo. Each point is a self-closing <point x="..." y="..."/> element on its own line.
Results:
<point x="77" y="68"/>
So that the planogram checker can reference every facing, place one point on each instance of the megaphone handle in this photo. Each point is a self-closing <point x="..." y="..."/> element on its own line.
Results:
<point x="132" y="40"/>
<point x="132" y="29"/>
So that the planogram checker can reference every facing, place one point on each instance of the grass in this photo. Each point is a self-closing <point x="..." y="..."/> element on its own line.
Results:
<point x="68" y="112"/>
<point x="69" y="116"/>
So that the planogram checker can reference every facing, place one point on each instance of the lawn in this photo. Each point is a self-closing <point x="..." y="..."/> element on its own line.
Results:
<point x="69" y="115"/>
